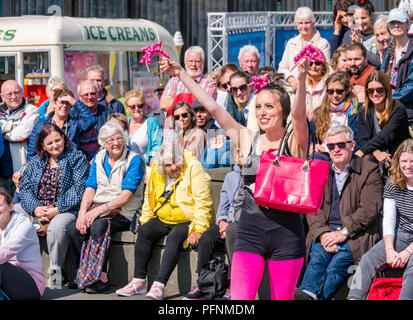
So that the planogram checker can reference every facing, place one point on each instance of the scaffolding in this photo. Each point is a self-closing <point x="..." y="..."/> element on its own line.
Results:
<point x="223" y="24"/>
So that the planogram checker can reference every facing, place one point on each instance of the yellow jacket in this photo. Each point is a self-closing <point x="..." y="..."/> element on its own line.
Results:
<point x="193" y="194"/>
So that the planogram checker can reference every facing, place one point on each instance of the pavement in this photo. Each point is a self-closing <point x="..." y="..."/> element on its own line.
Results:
<point x="74" y="294"/>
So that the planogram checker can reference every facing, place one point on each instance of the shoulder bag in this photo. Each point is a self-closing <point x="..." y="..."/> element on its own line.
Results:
<point x="289" y="183"/>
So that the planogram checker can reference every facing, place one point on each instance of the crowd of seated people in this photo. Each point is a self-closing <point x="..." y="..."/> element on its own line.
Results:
<point x="82" y="169"/>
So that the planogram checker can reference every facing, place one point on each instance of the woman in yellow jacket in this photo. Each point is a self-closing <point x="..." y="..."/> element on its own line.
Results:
<point x="178" y="203"/>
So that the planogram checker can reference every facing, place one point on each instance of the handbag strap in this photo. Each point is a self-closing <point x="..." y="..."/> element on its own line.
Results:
<point x="284" y="142"/>
<point x="168" y="196"/>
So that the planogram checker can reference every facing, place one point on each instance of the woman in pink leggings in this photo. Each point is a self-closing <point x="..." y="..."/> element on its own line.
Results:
<point x="262" y="233"/>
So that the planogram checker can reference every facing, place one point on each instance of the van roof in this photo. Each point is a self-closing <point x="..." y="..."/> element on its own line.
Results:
<point x="81" y="33"/>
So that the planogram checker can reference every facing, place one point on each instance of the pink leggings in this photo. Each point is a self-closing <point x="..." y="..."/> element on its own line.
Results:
<point x="246" y="274"/>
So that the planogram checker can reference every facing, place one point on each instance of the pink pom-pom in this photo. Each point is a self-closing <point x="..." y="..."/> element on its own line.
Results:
<point x="259" y="83"/>
<point x="311" y="53"/>
<point x="155" y="49"/>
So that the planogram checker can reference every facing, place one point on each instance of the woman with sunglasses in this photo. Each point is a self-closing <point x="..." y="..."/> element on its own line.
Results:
<point x="383" y="123"/>
<point x="224" y="74"/>
<point x="262" y="233"/>
<point x="195" y="139"/>
<point x="241" y="97"/>
<point x="339" y="107"/>
<point x="316" y="85"/>
<point x="145" y="132"/>
<point x="395" y="250"/>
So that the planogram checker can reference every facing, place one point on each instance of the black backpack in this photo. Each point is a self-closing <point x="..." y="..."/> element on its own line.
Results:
<point x="213" y="279"/>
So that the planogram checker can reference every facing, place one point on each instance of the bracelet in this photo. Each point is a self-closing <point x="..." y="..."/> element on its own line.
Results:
<point x="408" y="251"/>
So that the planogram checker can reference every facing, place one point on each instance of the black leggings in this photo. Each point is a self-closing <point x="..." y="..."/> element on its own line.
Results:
<point x="17" y="283"/>
<point x="96" y="230"/>
<point x="150" y="233"/>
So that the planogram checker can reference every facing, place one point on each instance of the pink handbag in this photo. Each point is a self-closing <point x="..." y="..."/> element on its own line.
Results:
<point x="290" y="184"/>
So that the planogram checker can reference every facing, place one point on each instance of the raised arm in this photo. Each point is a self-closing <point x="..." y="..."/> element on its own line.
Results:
<point x="298" y="116"/>
<point x="226" y="121"/>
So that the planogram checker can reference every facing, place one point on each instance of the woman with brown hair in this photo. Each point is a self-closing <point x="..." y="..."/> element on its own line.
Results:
<point x="284" y="243"/>
<point x="383" y="123"/>
<point x="339" y="107"/>
<point x="51" y="189"/>
<point x="396" y="248"/>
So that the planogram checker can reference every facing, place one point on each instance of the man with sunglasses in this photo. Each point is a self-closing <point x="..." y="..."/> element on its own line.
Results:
<point x="216" y="152"/>
<point x="348" y="222"/>
<point x="88" y="94"/>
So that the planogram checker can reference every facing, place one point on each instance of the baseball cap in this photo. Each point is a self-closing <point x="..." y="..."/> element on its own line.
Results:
<point x="398" y="14"/>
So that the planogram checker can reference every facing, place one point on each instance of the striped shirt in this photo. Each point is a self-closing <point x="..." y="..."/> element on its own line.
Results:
<point x="404" y="204"/>
<point x="175" y="86"/>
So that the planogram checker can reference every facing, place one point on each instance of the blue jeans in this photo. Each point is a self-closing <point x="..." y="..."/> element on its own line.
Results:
<point x="326" y="272"/>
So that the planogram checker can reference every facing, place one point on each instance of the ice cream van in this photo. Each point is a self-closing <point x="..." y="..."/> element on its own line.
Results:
<point x="35" y="48"/>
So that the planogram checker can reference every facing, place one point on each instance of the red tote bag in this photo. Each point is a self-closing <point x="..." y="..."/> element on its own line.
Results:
<point x="290" y="184"/>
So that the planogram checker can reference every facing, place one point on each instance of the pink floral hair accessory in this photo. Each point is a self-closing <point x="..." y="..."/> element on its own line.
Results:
<point x="311" y="53"/>
<point x="259" y="83"/>
<point x="155" y="49"/>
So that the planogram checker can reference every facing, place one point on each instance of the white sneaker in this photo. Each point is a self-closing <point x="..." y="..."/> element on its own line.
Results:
<point x="132" y="288"/>
<point x="156" y="291"/>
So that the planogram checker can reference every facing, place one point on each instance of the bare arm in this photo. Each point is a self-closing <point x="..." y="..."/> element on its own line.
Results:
<point x="298" y="116"/>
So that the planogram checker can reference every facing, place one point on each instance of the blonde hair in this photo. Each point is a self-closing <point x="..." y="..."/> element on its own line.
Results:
<point x="398" y="178"/>
<point x="134" y="93"/>
<point x="337" y="54"/>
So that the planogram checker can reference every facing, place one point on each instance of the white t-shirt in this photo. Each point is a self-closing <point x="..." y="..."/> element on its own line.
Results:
<point x="139" y="141"/>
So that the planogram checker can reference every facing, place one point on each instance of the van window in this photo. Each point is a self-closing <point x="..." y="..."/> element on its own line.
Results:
<point x="7" y="68"/>
<point x="36" y="75"/>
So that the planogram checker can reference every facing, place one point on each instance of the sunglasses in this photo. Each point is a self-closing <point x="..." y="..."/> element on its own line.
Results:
<point x="317" y="63"/>
<point x="225" y="85"/>
<point x="340" y="145"/>
<point x="380" y="90"/>
<point x="183" y="115"/>
<point x="134" y="106"/>
<point x="242" y="88"/>
<point x="338" y="91"/>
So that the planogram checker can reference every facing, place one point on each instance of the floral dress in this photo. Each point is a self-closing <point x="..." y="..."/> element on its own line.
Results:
<point x="49" y="185"/>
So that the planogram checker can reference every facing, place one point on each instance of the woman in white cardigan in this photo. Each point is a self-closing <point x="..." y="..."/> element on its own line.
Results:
<point x="305" y="20"/>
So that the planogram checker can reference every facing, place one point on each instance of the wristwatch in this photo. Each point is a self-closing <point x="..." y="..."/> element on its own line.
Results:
<point x="344" y="231"/>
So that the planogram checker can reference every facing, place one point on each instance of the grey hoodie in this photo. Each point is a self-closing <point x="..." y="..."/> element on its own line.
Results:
<point x="19" y="245"/>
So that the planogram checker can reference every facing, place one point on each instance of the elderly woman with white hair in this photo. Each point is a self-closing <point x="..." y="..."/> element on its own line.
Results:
<point x="178" y="204"/>
<point x="305" y="20"/>
<point x="110" y="194"/>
